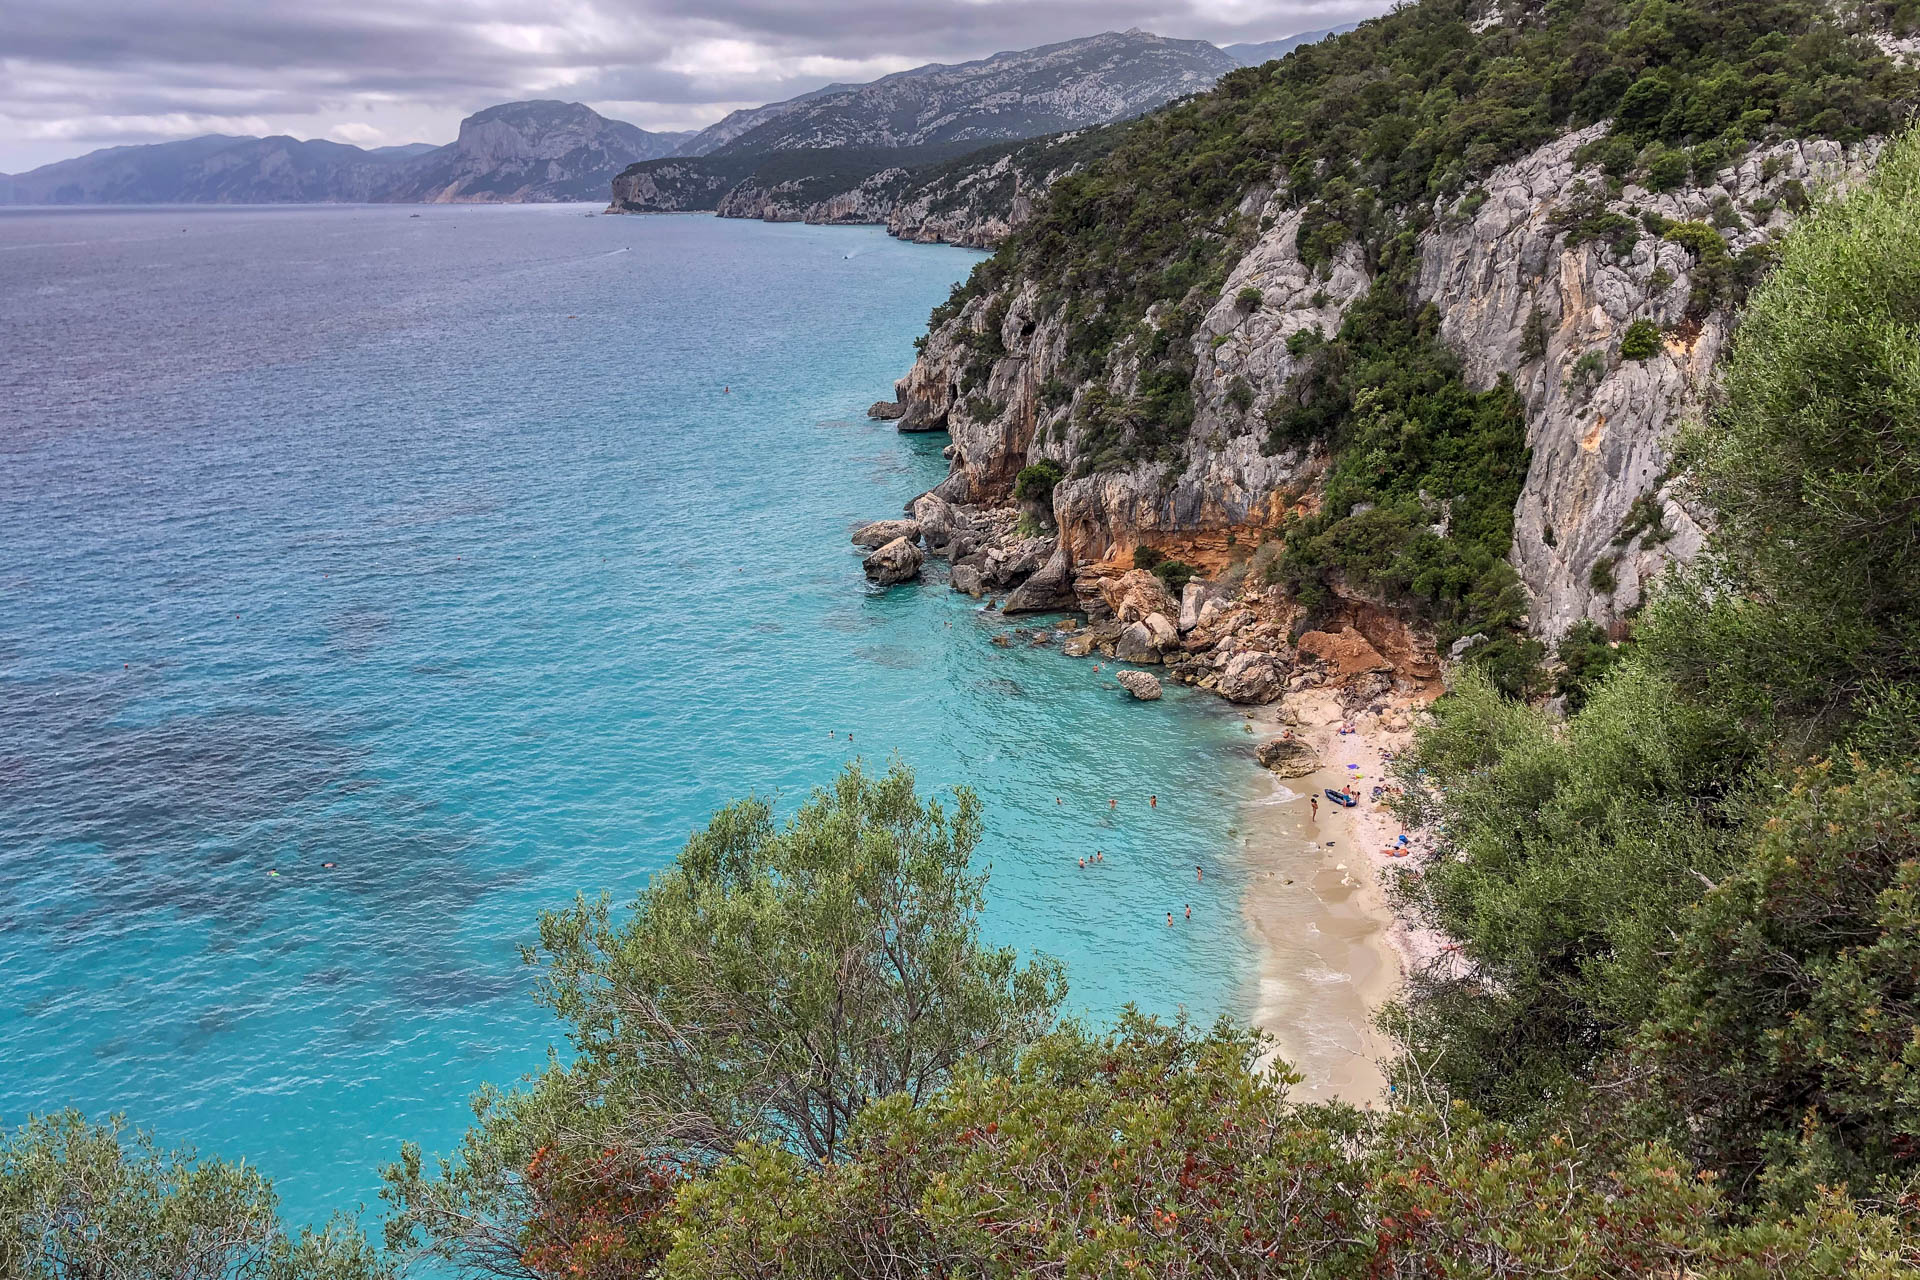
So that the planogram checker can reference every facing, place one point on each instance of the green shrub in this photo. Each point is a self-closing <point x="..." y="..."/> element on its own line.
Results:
<point x="1175" y="574"/>
<point x="1248" y="299"/>
<point x="1585" y="658"/>
<point x="1601" y="577"/>
<point x="1036" y="481"/>
<point x="1145" y="557"/>
<point x="1641" y="341"/>
<point x="1240" y="393"/>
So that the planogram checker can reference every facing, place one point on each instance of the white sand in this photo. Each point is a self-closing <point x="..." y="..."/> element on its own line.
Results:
<point x="1332" y="950"/>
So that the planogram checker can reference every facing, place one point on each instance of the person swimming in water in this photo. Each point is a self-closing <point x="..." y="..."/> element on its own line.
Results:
<point x="1153" y="802"/>
<point x="1189" y="911"/>
<point x="1197" y="877"/>
<point x="1169" y="919"/>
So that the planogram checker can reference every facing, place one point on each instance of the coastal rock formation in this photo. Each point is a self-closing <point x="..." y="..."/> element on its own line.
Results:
<point x="1345" y="651"/>
<point x="881" y="532"/>
<point x="897" y="561"/>
<point x="1141" y="684"/>
<point x="1519" y="291"/>
<point x="885" y="410"/>
<point x="1251" y="677"/>
<point x="1289" y="756"/>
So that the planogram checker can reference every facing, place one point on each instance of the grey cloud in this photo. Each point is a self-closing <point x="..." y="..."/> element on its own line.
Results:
<point x="75" y="74"/>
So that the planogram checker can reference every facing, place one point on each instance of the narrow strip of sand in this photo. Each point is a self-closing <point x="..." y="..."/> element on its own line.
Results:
<point x="1332" y="951"/>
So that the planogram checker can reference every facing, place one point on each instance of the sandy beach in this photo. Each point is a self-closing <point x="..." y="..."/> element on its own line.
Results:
<point x="1332" y="951"/>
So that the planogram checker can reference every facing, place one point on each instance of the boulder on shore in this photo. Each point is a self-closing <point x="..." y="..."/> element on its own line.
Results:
<point x="966" y="578"/>
<point x="886" y="410"/>
<point x="1135" y="594"/>
<point x="881" y="532"/>
<point x="1162" y="631"/>
<point x="1345" y="650"/>
<point x="936" y="517"/>
<point x="1290" y="757"/>
<point x="1251" y="677"/>
<point x="1050" y="588"/>
<point x="1141" y="684"/>
<point x="898" y="561"/>
<point x="1136" y="644"/>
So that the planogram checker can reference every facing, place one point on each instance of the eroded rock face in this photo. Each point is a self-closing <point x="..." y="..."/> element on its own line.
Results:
<point x="1601" y="438"/>
<point x="1288" y="756"/>
<point x="1345" y="651"/>
<point x="1515" y="298"/>
<point x="1135" y="594"/>
<point x="897" y="561"/>
<point x="1251" y="678"/>
<point x="885" y="410"/>
<point x="881" y="532"/>
<point x="1141" y="684"/>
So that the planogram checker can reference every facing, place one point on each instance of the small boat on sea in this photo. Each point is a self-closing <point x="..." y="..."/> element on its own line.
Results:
<point x="1340" y="797"/>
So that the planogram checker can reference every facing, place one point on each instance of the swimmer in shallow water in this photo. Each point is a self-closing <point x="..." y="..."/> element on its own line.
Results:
<point x="1169" y="919"/>
<point x="1189" y="911"/>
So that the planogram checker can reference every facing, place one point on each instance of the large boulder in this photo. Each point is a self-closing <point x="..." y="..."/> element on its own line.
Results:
<point x="1289" y="756"/>
<point x="886" y="410"/>
<point x="966" y="577"/>
<point x="1008" y="565"/>
<point x="1135" y="594"/>
<point x="1048" y="590"/>
<point x="881" y="532"/>
<point x="937" y="518"/>
<point x="1079" y="645"/>
<point x="1252" y="677"/>
<point x="1136" y="644"/>
<point x="1345" y="650"/>
<point x="1162" y="631"/>
<point x="898" y="561"/>
<point x="1141" y="684"/>
<point x="1191" y="599"/>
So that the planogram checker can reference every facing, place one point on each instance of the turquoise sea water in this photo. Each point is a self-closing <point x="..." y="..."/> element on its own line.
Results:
<point x="430" y="547"/>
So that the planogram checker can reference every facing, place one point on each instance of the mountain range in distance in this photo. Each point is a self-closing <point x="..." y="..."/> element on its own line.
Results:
<point x="559" y="151"/>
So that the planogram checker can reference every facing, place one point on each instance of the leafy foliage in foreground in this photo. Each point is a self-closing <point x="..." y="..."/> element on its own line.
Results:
<point x="81" y="1201"/>
<point x="1699" y="892"/>
<point x="768" y="987"/>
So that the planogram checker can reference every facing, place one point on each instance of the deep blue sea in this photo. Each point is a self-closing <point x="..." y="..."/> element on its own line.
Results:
<point x="426" y="543"/>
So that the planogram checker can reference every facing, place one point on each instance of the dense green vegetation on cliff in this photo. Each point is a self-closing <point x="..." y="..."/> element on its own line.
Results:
<point x="1369" y="138"/>
<point x="1693" y="905"/>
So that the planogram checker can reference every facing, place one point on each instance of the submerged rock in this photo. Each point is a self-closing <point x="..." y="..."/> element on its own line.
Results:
<point x="898" y="561"/>
<point x="1141" y="684"/>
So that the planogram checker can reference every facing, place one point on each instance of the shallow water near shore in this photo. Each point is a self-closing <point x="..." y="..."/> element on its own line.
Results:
<point x="430" y="548"/>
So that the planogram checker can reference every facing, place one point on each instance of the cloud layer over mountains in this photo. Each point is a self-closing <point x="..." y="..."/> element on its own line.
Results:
<point x="80" y="74"/>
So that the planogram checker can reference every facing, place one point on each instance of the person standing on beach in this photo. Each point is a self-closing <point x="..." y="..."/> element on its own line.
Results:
<point x="1313" y="804"/>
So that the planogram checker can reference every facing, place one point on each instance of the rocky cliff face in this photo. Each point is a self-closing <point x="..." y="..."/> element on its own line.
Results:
<point x="1523" y="290"/>
<point x="869" y="202"/>
<point x="530" y="151"/>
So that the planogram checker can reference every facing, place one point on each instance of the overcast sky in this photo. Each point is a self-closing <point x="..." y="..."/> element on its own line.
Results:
<point x="76" y="75"/>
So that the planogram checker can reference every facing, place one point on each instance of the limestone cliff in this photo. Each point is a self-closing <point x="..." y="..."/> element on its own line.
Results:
<point x="1523" y="290"/>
